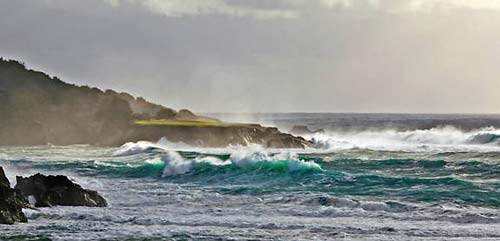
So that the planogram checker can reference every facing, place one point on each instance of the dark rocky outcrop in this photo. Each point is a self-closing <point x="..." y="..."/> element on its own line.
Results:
<point x="304" y="130"/>
<point x="219" y="136"/>
<point x="37" y="109"/>
<point x="11" y="202"/>
<point x="50" y="191"/>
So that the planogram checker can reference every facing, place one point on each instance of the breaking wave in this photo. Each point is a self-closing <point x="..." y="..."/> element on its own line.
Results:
<point x="405" y="178"/>
<point x="446" y="138"/>
<point x="132" y="148"/>
<point x="257" y="172"/>
<point x="175" y="164"/>
<point x="440" y="139"/>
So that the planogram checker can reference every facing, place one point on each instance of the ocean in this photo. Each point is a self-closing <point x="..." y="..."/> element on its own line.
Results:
<point x="367" y="177"/>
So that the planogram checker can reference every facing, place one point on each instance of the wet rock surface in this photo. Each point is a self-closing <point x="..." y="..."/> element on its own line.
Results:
<point x="11" y="202"/>
<point x="47" y="191"/>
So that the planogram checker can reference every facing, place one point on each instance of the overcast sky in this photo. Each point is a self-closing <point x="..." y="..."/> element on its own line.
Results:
<point x="268" y="55"/>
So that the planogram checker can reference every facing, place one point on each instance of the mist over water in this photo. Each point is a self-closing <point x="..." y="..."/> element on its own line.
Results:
<point x="367" y="177"/>
<point x="390" y="132"/>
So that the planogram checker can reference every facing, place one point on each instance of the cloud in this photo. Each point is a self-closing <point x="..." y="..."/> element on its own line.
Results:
<point x="336" y="3"/>
<point x="180" y="8"/>
<point x="446" y="4"/>
<point x="288" y="9"/>
<point x="326" y="59"/>
<point x="400" y="6"/>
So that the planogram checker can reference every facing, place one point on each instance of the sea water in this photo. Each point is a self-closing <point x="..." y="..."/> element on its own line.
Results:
<point x="366" y="177"/>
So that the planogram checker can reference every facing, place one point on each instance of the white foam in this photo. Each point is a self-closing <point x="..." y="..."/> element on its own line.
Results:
<point x="247" y="158"/>
<point x="32" y="200"/>
<point x="4" y="156"/>
<point x="374" y="206"/>
<point x="132" y="148"/>
<point x="440" y="139"/>
<point x="212" y="160"/>
<point x="347" y="203"/>
<point x="155" y="160"/>
<point x="175" y="164"/>
<point x="436" y="139"/>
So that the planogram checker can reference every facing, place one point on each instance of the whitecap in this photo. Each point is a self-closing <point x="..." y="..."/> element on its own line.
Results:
<point x="439" y="139"/>
<point x="249" y="158"/>
<point x="175" y="164"/>
<point x="132" y="148"/>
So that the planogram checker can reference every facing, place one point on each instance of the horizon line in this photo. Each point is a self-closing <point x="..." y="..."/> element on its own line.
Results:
<point x="354" y="112"/>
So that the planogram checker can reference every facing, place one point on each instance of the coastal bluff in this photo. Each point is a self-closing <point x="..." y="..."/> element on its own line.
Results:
<point x="37" y="109"/>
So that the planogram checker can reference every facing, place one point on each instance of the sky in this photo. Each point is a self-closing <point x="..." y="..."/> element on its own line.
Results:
<point x="423" y="56"/>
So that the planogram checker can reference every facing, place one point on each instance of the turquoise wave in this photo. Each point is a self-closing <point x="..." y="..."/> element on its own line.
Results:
<point x="406" y="179"/>
<point x="485" y="138"/>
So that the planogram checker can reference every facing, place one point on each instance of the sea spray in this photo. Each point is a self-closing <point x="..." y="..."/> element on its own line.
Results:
<point x="434" y="140"/>
<point x="175" y="164"/>
<point x="438" y="139"/>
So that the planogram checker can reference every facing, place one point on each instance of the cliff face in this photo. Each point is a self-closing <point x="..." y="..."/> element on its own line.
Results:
<point x="36" y="109"/>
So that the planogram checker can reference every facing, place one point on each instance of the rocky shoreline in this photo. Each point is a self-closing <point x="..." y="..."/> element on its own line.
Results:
<point x="42" y="191"/>
<point x="215" y="136"/>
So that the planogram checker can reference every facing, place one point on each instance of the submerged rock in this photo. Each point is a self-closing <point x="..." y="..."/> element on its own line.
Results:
<point x="11" y="202"/>
<point x="48" y="191"/>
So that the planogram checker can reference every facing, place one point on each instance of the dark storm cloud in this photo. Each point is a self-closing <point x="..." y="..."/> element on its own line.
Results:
<point x="295" y="55"/>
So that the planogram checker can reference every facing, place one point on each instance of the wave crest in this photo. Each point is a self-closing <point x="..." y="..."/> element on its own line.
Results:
<point x="485" y="138"/>
<point x="175" y="164"/>
<point x="133" y="148"/>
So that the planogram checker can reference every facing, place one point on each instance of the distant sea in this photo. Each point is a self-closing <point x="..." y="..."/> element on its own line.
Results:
<point x="367" y="177"/>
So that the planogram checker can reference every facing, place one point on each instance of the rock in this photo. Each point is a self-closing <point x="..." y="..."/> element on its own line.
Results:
<point x="3" y="179"/>
<point x="388" y="229"/>
<point x="186" y="115"/>
<point x="11" y="202"/>
<point x="49" y="191"/>
<point x="304" y="130"/>
<point x="165" y="113"/>
<point x="217" y="136"/>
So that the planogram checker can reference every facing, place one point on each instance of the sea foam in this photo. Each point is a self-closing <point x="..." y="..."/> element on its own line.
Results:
<point x="446" y="138"/>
